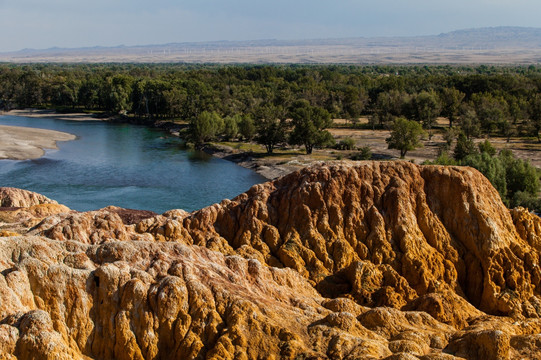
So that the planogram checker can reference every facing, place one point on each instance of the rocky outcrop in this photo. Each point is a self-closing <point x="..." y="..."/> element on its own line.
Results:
<point x="374" y="261"/>
<point x="130" y="300"/>
<point x="93" y="227"/>
<point x="12" y="197"/>
<point x="381" y="233"/>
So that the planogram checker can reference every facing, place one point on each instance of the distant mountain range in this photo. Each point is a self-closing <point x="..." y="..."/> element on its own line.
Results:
<point x="496" y="45"/>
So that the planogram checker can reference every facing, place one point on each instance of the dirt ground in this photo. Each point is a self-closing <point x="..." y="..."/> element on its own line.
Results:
<point x="286" y="160"/>
<point x="527" y="149"/>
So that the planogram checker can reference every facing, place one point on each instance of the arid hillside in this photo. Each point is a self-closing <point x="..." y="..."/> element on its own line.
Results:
<point x="498" y="45"/>
<point x="366" y="260"/>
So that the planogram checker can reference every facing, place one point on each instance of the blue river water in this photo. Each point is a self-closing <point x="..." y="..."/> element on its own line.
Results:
<point x="125" y="165"/>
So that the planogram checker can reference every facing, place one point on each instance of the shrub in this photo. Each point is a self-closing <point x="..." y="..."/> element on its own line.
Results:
<point x="365" y="153"/>
<point x="346" y="144"/>
<point x="526" y="200"/>
<point x="464" y="147"/>
<point x="486" y="147"/>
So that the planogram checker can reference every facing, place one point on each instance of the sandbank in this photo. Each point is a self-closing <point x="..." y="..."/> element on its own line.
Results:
<point x="51" y="114"/>
<point x="22" y="143"/>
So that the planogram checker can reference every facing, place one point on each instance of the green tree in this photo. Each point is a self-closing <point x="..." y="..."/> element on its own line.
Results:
<point x="492" y="168"/>
<point x="491" y="111"/>
<point x="516" y="180"/>
<point x="388" y="106"/>
<point x="464" y="147"/>
<point x="486" y="147"/>
<point x="231" y="127"/>
<point x="88" y="93"/>
<point x="449" y="135"/>
<point x="517" y="108"/>
<point x="247" y="127"/>
<point x="427" y="108"/>
<point x="526" y="200"/>
<point x="354" y="102"/>
<point x="174" y="100"/>
<point x="405" y="136"/>
<point x="116" y="93"/>
<point x="451" y="99"/>
<point x="155" y="101"/>
<point x="520" y="175"/>
<point x="534" y="110"/>
<point x="469" y="122"/>
<point x="28" y="90"/>
<point x="66" y="93"/>
<point x="506" y="128"/>
<point x="443" y="159"/>
<point x="309" y="124"/>
<point x="271" y="127"/>
<point x="205" y="127"/>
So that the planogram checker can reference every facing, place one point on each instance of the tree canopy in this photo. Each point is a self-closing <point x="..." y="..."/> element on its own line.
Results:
<point x="309" y="124"/>
<point x="405" y="136"/>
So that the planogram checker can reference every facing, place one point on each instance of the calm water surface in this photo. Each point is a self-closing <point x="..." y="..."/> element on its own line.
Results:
<point x="124" y="165"/>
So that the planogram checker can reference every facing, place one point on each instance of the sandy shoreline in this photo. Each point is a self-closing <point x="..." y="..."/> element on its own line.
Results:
<point x="51" y="114"/>
<point x="22" y="143"/>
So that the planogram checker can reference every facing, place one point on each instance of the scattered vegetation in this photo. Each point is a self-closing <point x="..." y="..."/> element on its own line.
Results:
<point x="516" y="180"/>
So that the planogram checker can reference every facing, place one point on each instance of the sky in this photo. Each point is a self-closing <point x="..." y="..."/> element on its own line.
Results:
<point x="41" y="24"/>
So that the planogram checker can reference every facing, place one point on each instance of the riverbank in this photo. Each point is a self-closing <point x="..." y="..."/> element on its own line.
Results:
<point x="52" y="114"/>
<point x="23" y="143"/>
<point x="266" y="166"/>
<point x="270" y="167"/>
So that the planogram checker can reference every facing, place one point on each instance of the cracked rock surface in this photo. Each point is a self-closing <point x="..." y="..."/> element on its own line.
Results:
<point x="366" y="260"/>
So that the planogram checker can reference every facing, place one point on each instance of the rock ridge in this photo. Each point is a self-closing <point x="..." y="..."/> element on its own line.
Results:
<point x="407" y="229"/>
<point x="367" y="260"/>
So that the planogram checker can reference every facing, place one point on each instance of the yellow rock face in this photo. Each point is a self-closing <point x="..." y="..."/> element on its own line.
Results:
<point x="369" y="261"/>
<point x="12" y="197"/>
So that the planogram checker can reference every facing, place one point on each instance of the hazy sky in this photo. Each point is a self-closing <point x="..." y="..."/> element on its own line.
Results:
<point x="75" y="23"/>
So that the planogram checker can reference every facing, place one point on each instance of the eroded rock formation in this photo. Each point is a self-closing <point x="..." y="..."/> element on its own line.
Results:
<point x="368" y="261"/>
<point x="12" y="197"/>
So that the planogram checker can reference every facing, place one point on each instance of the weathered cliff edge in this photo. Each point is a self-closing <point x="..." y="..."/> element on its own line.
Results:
<point x="377" y="260"/>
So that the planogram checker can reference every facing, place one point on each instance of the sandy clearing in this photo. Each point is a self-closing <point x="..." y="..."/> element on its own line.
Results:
<point x="22" y="143"/>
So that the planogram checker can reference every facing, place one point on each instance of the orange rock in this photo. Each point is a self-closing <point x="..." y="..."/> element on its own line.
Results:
<point x="383" y="233"/>
<point x="377" y="260"/>
<point x="12" y="197"/>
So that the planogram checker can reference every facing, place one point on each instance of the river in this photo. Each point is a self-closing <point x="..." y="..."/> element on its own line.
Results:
<point x="125" y="165"/>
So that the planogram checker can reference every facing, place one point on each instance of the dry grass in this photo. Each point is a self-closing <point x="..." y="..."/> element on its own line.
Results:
<point x="524" y="148"/>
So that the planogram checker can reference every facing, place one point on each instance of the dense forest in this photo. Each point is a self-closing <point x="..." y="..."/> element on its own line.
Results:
<point x="484" y="99"/>
<point x="272" y="104"/>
